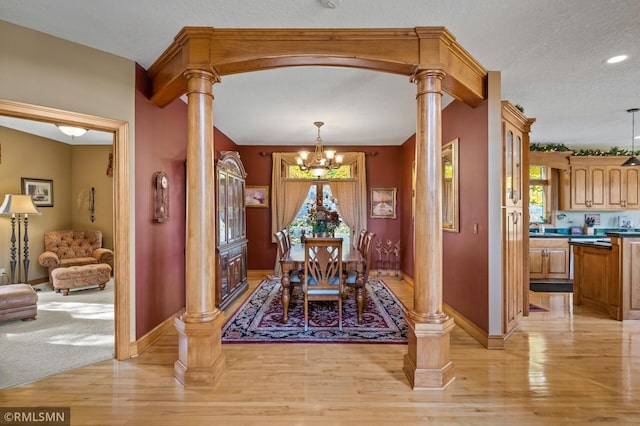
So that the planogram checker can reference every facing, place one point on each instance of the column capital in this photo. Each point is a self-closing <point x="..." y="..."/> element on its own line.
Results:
<point x="427" y="73"/>
<point x="200" y="81"/>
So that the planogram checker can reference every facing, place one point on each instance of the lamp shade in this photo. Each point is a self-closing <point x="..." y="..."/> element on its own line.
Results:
<point x="632" y="161"/>
<point x="18" y="204"/>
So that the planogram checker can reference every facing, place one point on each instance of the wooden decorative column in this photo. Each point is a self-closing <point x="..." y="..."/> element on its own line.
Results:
<point x="200" y="359"/>
<point x="427" y="363"/>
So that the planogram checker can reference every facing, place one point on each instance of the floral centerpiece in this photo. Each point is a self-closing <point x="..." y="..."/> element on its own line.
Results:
<point x="323" y="221"/>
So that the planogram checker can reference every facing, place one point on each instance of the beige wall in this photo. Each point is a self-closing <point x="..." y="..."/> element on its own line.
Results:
<point x="72" y="169"/>
<point x="43" y="70"/>
<point x="39" y="69"/>
<point x="25" y="155"/>
<point x="89" y="169"/>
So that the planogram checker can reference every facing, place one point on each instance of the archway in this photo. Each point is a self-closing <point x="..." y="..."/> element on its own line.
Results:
<point x="430" y="57"/>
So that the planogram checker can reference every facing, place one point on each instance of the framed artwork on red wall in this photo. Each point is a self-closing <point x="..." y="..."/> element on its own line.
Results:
<point x="383" y="203"/>
<point x="256" y="196"/>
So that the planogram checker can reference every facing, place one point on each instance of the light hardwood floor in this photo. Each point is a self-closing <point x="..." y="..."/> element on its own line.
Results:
<point x="569" y="365"/>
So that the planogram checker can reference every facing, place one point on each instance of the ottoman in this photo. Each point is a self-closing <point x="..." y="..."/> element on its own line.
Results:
<point x="80" y="276"/>
<point x="18" y="301"/>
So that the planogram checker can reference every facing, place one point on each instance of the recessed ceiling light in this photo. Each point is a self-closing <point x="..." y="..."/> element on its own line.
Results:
<point x="616" y="59"/>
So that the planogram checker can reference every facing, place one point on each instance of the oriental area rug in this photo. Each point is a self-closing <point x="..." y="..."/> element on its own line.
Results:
<point x="259" y="318"/>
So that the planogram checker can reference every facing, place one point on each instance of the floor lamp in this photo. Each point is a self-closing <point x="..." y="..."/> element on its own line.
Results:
<point x="19" y="207"/>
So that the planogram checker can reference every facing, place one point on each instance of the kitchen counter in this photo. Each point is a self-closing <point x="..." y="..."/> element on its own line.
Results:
<point x="598" y="233"/>
<point x="595" y="244"/>
<point x="624" y="234"/>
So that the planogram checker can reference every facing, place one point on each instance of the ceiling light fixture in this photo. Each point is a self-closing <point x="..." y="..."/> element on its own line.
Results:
<point x="322" y="161"/>
<point x="72" y="131"/>
<point x="633" y="160"/>
<point x="616" y="59"/>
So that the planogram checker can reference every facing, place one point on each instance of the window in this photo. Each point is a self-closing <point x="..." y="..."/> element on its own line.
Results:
<point x="318" y="193"/>
<point x="539" y="194"/>
<point x="294" y="172"/>
<point x="290" y="189"/>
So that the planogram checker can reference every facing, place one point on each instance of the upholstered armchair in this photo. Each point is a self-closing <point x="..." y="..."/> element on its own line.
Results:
<point x="73" y="248"/>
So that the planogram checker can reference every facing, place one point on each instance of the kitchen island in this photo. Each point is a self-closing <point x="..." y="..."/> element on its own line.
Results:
<point x="607" y="275"/>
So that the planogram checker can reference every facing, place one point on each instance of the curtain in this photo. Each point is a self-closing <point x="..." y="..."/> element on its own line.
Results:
<point x="351" y="196"/>
<point x="286" y="200"/>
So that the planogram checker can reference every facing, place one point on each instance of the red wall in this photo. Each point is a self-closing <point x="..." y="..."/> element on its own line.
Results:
<point x="161" y="140"/>
<point x="466" y="259"/>
<point x="465" y="254"/>
<point x="222" y="143"/>
<point x="384" y="169"/>
<point x="161" y="146"/>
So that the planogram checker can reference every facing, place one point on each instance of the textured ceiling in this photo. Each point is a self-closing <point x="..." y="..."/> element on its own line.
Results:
<point x="551" y="55"/>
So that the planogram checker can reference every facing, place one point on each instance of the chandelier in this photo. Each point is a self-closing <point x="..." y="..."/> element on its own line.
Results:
<point x="321" y="161"/>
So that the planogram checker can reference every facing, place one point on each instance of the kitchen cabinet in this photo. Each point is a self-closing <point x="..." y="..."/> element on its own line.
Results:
<point x="549" y="258"/>
<point x="231" y="240"/>
<point x="600" y="183"/>
<point x="513" y="267"/>
<point x="624" y="187"/>
<point x="515" y="218"/>
<point x="588" y="185"/>
<point x="512" y="174"/>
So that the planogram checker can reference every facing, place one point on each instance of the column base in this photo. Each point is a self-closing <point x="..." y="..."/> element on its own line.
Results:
<point x="427" y="364"/>
<point x="200" y="360"/>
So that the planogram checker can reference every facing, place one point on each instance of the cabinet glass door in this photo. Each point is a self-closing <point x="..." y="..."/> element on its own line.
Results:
<point x="222" y="208"/>
<point x="517" y="172"/>
<point x="508" y="166"/>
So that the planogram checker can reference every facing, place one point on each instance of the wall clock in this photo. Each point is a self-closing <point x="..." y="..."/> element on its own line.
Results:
<point x="161" y="197"/>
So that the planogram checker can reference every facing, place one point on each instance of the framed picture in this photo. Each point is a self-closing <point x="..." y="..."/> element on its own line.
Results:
<point x="256" y="196"/>
<point x="383" y="203"/>
<point x="41" y="190"/>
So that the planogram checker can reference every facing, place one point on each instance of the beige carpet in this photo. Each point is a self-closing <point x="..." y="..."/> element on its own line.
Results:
<point x="69" y="332"/>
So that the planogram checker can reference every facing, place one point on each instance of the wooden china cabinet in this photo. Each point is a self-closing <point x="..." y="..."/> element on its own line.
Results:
<point x="515" y="214"/>
<point x="231" y="235"/>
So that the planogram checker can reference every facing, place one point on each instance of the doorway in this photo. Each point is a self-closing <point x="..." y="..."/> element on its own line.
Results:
<point x="121" y="205"/>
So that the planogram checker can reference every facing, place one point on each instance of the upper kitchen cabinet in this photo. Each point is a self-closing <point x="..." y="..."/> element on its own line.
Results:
<point x="624" y="187"/>
<point x="588" y="184"/>
<point x="600" y="183"/>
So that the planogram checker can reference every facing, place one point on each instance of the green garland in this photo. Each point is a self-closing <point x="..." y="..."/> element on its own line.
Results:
<point x="551" y="147"/>
<point x="558" y="147"/>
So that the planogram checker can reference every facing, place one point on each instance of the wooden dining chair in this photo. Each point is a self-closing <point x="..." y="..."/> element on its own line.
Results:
<point x="323" y="279"/>
<point x="295" y="276"/>
<point x="361" y="236"/>
<point x="287" y="239"/>
<point x="367" y="248"/>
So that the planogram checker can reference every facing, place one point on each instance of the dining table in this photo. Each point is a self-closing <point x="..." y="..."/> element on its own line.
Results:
<point x="293" y="260"/>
